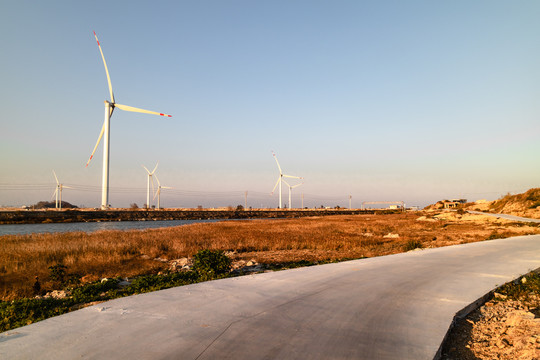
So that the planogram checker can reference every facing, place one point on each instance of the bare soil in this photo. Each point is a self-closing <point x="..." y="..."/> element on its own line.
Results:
<point x="505" y="328"/>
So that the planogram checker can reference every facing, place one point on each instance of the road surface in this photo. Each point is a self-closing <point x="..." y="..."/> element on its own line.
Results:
<point x="506" y="216"/>
<point x="391" y="307"/>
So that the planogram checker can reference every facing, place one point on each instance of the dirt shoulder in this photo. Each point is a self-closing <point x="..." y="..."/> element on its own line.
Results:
<point x="506" y="327"/>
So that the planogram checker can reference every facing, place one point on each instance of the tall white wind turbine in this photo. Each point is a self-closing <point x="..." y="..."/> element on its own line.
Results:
<point x="280" y="179"/>
<point x="105" y="130"/>
<point x="58" y="192"/>
<point x="290" y="191"/>
<point x="148" y="181"/>
<point x="158" y="192"/>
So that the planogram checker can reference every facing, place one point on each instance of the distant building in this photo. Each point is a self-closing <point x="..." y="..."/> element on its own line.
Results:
<point x="454" y="203"/>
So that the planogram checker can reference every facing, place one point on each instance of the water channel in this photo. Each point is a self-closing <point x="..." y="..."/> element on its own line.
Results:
<point x="20" y="229"/>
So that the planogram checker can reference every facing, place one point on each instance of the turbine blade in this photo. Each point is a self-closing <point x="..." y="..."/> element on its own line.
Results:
<point x="166" y="187"/>
<point x="106" y="70"/>
<point x="134" y="109"/>
<point x="295" y="186"/>
<point x="54" y="194"/>
<point x="148" y="171"/>
<point x="292" y="177"/>
<point x="277" y="162"/>
<point x="153" y="171"/>
<point x="286" y="183"/>
<point x="159" y="185"/>
<point x="156" y="194"/>
<point x="57" y="182"/>
<point x="275" y="186"/>
<point x="97" y="143"/>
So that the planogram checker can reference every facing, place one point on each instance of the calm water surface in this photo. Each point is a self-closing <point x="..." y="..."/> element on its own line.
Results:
<point x="17" y="229"/>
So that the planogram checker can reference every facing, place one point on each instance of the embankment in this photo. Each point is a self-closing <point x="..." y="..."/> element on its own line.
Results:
<point x="55" y="216"/>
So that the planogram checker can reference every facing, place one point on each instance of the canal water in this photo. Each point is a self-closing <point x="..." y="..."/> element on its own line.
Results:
<point x="19" y="229"/>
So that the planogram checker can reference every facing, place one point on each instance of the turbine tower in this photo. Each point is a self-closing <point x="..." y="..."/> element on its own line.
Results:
<point x="158" y="192"/>
<point x="58" y="192"/>
<point x="105" y="130"/>
<point x="290" y="191"/>
<point x="280" y="179"/>
<point x="150" y="179"/>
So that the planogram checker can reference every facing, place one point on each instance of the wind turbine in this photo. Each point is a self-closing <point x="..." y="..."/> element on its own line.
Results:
<point x="158" y="192"/>
<point x="148" y="184"/>
<point x="280" y="179"/>
<point x="290" y="191"/>
<point x="58" y="192"/>
<point x="105" y="130"/>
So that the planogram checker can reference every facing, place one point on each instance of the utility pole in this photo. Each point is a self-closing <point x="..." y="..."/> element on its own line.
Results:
<point x="350" y="197"/>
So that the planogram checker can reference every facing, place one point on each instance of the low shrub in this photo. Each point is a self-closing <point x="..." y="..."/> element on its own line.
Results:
<point x="526" y="288"/>
<point x="211" y="263"/>
<point x="412" y="244"/>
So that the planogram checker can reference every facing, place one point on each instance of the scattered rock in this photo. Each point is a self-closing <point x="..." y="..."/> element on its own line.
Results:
<point x="391" y="236"/>
<point x="57" y="294"/>
<point x="251" y="262"/>
<point x="180" y="264"/>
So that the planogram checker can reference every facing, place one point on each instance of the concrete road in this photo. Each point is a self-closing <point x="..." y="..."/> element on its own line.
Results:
<point x="392" y="307"/>
<point x="506" y="216"/>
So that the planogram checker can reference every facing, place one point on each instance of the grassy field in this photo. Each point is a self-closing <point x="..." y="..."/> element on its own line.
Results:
<point x="112" y="254"/>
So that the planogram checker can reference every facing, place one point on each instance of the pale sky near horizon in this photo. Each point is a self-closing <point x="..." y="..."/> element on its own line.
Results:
<point x="382" y="100"/>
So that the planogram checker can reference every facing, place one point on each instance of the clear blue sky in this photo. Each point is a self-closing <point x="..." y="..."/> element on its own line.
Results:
<point x="382" y="100"/>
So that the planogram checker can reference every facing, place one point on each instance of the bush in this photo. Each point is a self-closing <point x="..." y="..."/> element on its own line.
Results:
<point x="57" y="273"/>
<point x="211" y="263"/>
<point x="412" y="244"/>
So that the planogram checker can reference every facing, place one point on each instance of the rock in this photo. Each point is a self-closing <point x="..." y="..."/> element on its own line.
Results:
<point x="238" y="264"/>
<point x="523" y="280"/>
<point x="104" y="280"/>
<point x="500" y="296"/>
<point x="125" y="282"/>
<point x="391" y="236"/>
<point x="252" y="262"/>
<point x="145" y="257"/>
<point x="368" y="234"/>
<point x="177" y="264"/>
<point x="57" y="294"/>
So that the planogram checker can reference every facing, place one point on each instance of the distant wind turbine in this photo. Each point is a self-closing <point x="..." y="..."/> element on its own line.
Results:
<point x="105" y="130"/>
<point x="290" y="191"/>
<point x="280" y="179"/>
<point x="158" y="192"/>
<point x="58" y="192"/>
<point x="150" y="179"/>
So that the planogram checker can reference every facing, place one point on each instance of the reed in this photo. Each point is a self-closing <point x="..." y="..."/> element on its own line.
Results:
<point x="130" y="253"/>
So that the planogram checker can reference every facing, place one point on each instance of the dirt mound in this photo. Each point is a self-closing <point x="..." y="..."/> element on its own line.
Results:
<point x="526" y="204"/>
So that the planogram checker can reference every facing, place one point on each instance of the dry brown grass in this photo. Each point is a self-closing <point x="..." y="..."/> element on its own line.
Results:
<point x="131" y="253"/>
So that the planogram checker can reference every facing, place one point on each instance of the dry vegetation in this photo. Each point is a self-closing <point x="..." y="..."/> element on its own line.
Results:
<point x="131" y="253"/>
<point x="526" y="204"/>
